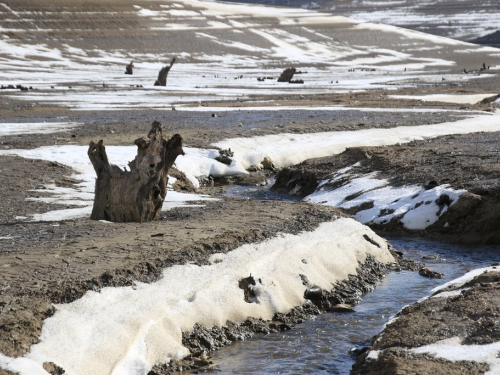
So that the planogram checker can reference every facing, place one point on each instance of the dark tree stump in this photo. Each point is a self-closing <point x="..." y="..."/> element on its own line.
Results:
<point x="287" y="75"/>
<point x="129" y="69"/>
<point x="162" y="75"/>
<point x="136" y="195"/>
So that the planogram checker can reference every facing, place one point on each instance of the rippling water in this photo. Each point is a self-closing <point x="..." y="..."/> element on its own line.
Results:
<point x="322" y="346"/>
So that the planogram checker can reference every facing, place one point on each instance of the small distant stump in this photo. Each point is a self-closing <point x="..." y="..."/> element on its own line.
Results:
<point x="287" y="75"/>
<point x="129" y="69"/>
<point x="136" y="195"/>
<point x="162" y="75"/>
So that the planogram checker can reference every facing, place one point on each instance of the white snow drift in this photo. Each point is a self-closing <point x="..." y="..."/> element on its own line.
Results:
<point x="127" y="330"/>
<point x="415" y="207"/>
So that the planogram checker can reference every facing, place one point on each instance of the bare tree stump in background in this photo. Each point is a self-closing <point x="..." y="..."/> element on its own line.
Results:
<point x="287" y="75"/>
<point x="162" y="75"/>
<point x="136" y="195"/>
<point x="129" y="69"/>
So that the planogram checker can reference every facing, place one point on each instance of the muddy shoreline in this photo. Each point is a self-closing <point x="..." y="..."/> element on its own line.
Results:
<point x="57" y="262"/>
<point x="469" y="313"/>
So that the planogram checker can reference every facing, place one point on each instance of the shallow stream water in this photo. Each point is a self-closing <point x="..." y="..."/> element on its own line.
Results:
<point x="323" y="346"/>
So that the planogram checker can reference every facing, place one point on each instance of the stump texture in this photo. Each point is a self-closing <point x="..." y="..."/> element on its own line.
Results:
<point x="136" y="195"/>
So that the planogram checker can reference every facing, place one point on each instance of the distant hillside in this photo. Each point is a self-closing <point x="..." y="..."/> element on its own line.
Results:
<point x="467" y="20"/>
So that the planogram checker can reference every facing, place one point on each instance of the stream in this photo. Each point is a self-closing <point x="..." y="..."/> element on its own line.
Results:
<point x="324" y="346"/>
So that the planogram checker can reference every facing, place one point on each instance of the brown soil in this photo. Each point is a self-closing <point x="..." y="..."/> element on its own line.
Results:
<point x="48" y="263"/>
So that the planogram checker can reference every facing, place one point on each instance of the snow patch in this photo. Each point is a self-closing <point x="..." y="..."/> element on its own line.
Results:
<point x="127" y="330"/>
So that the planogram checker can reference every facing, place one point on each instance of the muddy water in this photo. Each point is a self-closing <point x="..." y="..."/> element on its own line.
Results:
<point x="324" y="346"/>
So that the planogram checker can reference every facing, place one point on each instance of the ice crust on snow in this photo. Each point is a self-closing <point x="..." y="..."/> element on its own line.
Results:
<point x="126" y="330"/>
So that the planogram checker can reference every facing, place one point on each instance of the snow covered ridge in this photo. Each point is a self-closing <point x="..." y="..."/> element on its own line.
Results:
<point x="413" y="206"/>
<point x="287" y="149"/>
<point x="127" y="330"/>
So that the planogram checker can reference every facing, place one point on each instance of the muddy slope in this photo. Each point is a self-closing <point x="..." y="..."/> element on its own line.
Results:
<point x="472" y="315"/>
<point x="470" y="162"/>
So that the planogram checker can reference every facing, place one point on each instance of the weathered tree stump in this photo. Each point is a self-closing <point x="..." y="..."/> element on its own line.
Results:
<point x="162" y="75"/>
<point x="129" y="69"/>
<point x="136" y="195"/>
<point x="287" y="75"/>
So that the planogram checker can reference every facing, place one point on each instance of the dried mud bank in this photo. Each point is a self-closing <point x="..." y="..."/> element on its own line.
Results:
<point x="463" y="162"/>
<point x="442" y="334"/>
<point x="47" y="263"/>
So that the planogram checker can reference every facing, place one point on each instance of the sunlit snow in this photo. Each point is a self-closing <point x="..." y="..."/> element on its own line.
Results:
<point x="128" y="329"/>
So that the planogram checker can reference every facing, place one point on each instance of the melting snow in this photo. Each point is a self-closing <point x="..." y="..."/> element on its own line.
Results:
<point x="126" y="330"/>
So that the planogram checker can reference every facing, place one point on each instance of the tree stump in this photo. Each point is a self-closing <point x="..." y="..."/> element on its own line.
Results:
<point x="162" y="75"/>
<point x="287" y="75"/>
<point x="136" y="195"/>
<point x="129" y="69"/>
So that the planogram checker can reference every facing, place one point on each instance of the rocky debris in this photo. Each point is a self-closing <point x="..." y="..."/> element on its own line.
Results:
<point x="182" y="183"/>
<point x="287" y="75"/>
<point x="314" y="293"/>
<point x="471" y="314"/>
<point x="53" y="369"/>
<point x="248" y="284"/>
<point x="490" y="99"/>
<point x="424" y="271"/>
<point x="225" y="156"/>
<point x="296" y="181"/>
<point x="268" y="164"/>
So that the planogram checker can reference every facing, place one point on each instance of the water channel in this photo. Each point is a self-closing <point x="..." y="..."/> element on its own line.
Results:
<point x="323" y="346"/>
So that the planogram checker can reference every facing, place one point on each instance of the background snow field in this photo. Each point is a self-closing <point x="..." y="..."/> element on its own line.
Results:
<point x="221" y="50"/>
